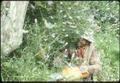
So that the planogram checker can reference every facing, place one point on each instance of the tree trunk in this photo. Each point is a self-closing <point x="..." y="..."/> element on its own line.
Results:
<point x="12" y="21"/>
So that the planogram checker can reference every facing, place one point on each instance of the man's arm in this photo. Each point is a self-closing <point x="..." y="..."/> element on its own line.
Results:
<point x="95" y="65"/>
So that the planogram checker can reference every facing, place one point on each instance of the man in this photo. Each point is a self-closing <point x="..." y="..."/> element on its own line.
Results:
<point x="87" y="56"/>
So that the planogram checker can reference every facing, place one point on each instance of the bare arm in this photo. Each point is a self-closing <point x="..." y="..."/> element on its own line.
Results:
<point x="95" y="65"/>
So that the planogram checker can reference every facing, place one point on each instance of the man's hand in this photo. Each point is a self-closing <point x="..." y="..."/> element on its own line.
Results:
<point x="84" y="71"/>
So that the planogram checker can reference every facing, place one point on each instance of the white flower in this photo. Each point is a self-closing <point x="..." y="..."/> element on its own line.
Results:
<point x="61" y="42"/>
<point x="73" y="26"/>
<point x="63" y="29"/>
<point x="51" y="17"/>
<point x="48" y="24"/>
<point x="49" y="47"/>
<point x="35" y="34"/>
<point x="66" y="35"/>
<point x="66" y="43"/>
<point x="35" y="20"/>
<point x="103" y="18"/>
<point x="61" y="11"/>
<point x="53" y="35"/>
<point x="69" y="8"/>
<point x="77" y="32"/>
<point x="65" y="16"/>
<point x="50" y="2"/>
<point x="25" y="31"/>
<point x="70" y="17"/>
<point x="78" y="17"/>
<point x="101" y="40"/>
<point x="76" y="3"/>
<point x="45" y="39"/>
<point x="61" y="2"/>
<point x="69" y="22"/>
<point x="108" y="8"/>
<point x="110" y="41"/>
<point x="64" y="22"/>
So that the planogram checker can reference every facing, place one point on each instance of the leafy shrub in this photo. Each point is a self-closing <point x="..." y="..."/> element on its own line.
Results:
<point x="56" y="25"/>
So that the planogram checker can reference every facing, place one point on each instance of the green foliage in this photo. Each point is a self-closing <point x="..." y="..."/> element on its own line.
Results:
<point x="57" y="25"/>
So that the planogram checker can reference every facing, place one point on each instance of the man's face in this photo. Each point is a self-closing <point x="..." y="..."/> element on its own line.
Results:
<point x="82" y="42"/>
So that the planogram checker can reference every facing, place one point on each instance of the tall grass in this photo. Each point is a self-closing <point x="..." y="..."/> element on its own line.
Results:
<point x="34" y="59"/>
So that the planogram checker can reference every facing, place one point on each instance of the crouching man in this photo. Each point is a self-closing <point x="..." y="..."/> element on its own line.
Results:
<point x="87" y="57"/>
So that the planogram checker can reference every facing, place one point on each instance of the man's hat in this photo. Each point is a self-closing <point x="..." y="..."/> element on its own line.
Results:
<point x="88" y="35"/>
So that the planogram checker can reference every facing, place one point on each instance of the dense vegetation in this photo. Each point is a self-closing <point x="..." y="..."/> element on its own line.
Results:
<point x="56" y="25"/>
